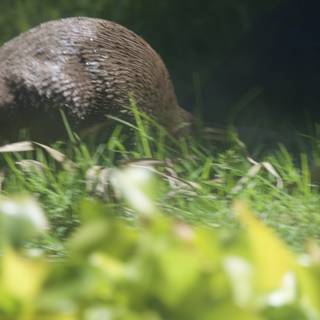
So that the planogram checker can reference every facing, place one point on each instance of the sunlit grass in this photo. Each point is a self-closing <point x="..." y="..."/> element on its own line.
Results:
<point x="200" y="179"/>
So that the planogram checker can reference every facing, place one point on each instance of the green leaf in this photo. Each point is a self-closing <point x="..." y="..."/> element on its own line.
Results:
<point x="179" y="271"/>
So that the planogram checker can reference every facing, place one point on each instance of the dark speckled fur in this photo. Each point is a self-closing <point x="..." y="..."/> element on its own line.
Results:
<point x="86" y="66"/>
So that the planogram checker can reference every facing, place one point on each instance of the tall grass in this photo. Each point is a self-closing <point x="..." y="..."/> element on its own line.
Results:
<point x="200" y="179"/>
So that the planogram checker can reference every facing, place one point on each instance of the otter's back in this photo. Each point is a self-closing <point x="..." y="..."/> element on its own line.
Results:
<point x="89" y="67"/>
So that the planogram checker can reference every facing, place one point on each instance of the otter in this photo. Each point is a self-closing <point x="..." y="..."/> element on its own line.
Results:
<point x="87" y="67"/>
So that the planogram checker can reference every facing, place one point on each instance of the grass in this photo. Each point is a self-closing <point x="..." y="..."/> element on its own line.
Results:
<point x="200" y="180"/>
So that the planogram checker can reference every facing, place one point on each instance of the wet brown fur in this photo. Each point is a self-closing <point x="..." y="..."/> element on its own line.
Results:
<point x="86" y="66"/>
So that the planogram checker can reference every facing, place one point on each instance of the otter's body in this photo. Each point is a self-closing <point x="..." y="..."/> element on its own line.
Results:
<point x="88" y="67"/>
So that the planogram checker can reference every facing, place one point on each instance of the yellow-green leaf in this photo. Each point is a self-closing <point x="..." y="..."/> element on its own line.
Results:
<point x="272" y="260"/>
<point x="22" y="277"/>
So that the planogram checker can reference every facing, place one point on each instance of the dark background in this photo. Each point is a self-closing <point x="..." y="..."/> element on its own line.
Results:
<point x="254" y="63"/>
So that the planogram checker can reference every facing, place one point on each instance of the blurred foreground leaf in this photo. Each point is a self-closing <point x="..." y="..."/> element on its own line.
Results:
<point x="158" y="268"/>
<point x="271" y="257"/>
<point x="22" y="277"/>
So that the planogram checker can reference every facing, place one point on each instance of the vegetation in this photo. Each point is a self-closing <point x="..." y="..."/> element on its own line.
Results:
<point x="153" y="228"/>
<point x="201" y="180"/>
<point x="149" y="227"/>
<point x="161" y="268"/>
<point x="155" y="231"/>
